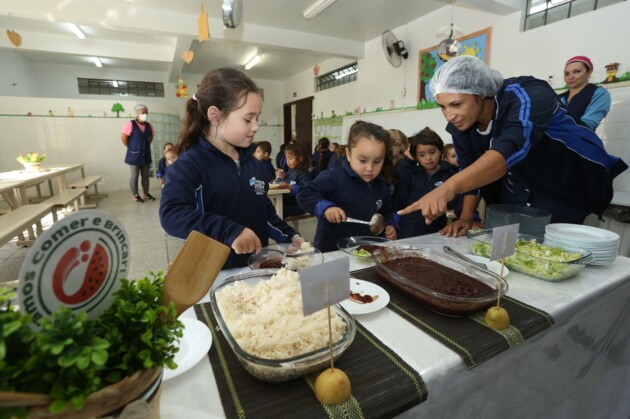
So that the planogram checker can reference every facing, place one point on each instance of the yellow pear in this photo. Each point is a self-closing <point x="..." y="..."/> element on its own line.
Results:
<point x="332" y="386"/>
<point x="497" y="318"/>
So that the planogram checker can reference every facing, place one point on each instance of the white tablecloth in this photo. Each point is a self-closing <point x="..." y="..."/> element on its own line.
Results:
<point x="579" y="368"/>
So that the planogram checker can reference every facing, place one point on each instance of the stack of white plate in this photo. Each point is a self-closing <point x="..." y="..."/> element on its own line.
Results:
<point x="602" y="243"/>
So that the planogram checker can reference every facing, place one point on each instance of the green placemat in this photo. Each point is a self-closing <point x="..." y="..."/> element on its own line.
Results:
<point x="383" y="385"/>
<point x="468" y="336"/>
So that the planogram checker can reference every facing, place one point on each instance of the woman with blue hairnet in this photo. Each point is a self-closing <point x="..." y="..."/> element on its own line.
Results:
<point x="515" y="145"/>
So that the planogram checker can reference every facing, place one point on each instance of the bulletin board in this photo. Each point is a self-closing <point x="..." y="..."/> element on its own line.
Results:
<point x="476" y="44"/>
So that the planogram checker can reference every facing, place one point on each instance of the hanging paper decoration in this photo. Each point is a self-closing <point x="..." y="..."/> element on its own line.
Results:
<point x="316" y="70"/>
<point x="188" y="56"/>
<point x="181" y="89"/>
<point x="14" y="37"/>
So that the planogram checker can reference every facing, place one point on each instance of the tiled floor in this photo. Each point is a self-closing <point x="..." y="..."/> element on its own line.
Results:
<point x="150" y="248"/>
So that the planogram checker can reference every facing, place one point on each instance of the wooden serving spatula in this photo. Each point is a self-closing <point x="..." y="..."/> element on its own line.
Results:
<point x="194" y="270"/>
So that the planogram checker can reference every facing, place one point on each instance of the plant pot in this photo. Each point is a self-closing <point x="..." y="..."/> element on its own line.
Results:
<point x="32" y="167"/>
<point x="108" y="401"/>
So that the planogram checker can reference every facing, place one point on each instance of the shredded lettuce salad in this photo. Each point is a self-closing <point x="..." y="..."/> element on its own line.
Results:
<point x="362" y="253"/>
<point x="535" y="259"/>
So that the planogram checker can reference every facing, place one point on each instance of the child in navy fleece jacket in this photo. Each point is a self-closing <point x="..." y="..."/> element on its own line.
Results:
<point x="295" y="178"/>
<point x="357" y="189"/>
<point x="426" y="147"/>
<point x="216" y="186"/>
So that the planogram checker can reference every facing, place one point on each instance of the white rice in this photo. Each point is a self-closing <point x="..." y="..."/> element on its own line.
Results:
<point x="267" y="321"/>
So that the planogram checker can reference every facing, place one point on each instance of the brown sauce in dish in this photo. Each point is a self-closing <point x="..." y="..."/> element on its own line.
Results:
<point x="362" y="299"/>
<point x="273" y="263"/>
<point x="369" y="247"/>
<point x="438" y="278"/>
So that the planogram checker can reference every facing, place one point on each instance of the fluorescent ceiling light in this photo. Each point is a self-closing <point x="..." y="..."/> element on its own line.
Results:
<point x="97" y="62"/>
<point x="255" y="59"/>
<point x="76" y="30"/>
<point x="316" y="8"/>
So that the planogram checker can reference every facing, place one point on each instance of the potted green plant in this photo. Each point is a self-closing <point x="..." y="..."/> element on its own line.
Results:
<point x="70" y="366"/>
<point x="31" y="161"/>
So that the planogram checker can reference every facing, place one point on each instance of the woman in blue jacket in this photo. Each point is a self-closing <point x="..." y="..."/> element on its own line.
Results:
<point x="515" y="142"/>
<point x="216" y="186"/>
<point x="357" y="189"/>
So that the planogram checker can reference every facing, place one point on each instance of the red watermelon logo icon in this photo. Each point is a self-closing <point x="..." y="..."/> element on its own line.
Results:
<point x="77" y="263"/>
<point x="91" y="278"/>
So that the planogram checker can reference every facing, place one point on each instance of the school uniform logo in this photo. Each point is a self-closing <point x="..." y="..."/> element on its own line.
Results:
<point x="257" y="185"/>
<point x="438" y="183"/>
<point x="379" y="204"/>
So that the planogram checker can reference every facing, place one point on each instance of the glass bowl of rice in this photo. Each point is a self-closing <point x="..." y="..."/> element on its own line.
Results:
<point x="260" y="315"/>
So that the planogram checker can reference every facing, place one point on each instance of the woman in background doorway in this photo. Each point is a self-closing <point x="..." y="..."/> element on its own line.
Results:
<point x="137" y="135"/>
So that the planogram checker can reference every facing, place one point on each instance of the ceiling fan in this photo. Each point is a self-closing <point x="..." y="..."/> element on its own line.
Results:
<point x="232" y="11"/>
<point x="393" y="48"/>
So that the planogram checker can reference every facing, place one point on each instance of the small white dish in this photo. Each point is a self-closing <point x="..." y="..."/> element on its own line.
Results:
<point x="493" y="266"/>
<point x="194" y="345"/>
<point x="379" y="296"/>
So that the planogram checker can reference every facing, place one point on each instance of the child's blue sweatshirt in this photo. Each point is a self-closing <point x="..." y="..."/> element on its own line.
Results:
<point x="341" y="187"/>
<point x="412" y="186"/>
<point x="298" y="180"/>
<point x="209" y="192"/>
<point x="270" y="171"/>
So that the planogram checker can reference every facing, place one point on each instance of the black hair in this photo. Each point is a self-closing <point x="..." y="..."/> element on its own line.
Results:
<point x="363" y="129"/>
<point x="265" y="146"/>
<point x="426" y="137"/>
<point x="300" y="151"/>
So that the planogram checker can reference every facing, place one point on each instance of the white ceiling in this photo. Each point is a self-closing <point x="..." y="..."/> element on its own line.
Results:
<point x="152" y="34"/>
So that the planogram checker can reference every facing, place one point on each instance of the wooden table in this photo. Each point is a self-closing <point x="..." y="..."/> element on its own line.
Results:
<point x="26" y="179"/>
<point x="276" y="198"/>
<point x="9" y="191"/>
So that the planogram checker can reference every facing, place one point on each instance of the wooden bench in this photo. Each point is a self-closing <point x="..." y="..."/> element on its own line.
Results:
<point x="295" y="220"/>
<point x="87" y="182"/>
<point x="23" y="218"/>
<point x="66" y="198"/>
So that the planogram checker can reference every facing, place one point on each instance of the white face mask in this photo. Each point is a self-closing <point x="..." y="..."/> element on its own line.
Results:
<point x="143" y="117"/>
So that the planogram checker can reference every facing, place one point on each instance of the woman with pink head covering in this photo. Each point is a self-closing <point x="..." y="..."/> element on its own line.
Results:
<point x="585" y="102"/>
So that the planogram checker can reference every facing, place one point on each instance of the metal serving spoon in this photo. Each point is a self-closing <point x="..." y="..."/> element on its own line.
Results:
<point x="377" y="223"/>
<point x="450" y="251"/>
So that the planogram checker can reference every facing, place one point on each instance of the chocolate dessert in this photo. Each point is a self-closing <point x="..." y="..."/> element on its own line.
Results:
<point x="421" y="274"/>
<point x="272" y="263"/>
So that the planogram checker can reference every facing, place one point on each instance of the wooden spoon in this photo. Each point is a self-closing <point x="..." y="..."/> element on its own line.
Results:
<point x="194" y="270"/>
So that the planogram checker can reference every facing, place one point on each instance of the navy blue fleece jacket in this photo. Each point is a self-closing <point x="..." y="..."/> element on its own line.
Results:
<point x="209" y="192"/>
<point x="341" y="187"/>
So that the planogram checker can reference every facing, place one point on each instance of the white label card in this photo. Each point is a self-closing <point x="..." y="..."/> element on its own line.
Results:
<point x="324" y="285"/>
<point x="504" y="241"/>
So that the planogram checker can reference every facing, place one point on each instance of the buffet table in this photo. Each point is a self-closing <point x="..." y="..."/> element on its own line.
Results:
<point x="578" y="368"/>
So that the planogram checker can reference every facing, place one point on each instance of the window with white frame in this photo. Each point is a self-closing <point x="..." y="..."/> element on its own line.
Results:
<point x="337" y="77"/>
<point x="544" y="12"/>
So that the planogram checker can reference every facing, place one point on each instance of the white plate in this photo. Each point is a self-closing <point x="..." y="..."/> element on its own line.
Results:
<point x="582" y="233"/>
<point x="194" y="345"/>
<point x="365" y="288"/>
<point x="493" y="266"/>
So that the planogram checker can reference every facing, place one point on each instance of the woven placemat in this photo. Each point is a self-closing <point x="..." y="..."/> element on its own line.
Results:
<point x="383" y="385"/>
<point x="467" y="336"/>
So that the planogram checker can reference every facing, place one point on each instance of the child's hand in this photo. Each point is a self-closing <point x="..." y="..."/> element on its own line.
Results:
<point x="335" y="215"/>
<point x="246" y="242"/>
<point x="281" y="173"/>
<point x="390" y="233"/>
<point x="296" y="244"/>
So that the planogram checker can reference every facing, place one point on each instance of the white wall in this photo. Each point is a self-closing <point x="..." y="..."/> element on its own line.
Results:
<point x="15" y="75"/>
<point x="540" y="52"/>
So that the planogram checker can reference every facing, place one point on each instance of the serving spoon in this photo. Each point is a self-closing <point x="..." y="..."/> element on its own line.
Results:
<point x="194" y="270"/>
<point x="377" y="223"/>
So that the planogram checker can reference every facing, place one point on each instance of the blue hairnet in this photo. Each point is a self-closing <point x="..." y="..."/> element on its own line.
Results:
<point x="466" y="74"/>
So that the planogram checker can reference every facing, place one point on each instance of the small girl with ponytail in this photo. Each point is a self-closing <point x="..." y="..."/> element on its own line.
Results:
<point x="216" y="186"/>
